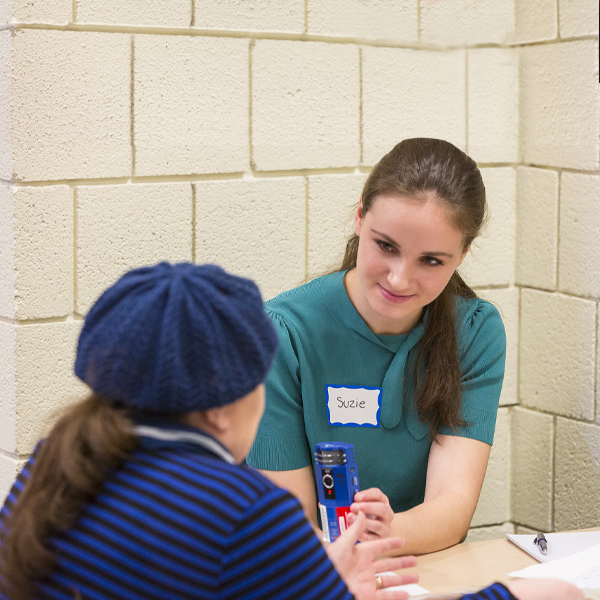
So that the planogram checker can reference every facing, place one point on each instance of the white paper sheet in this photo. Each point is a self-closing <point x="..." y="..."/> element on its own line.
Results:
<point x="412" y="589"/>
<point x="581" y="569"/>
<point x="559" y="544"/>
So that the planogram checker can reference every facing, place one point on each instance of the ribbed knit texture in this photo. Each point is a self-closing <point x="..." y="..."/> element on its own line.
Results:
<point x="176" y="338"/>
<point x="177" y="524"/>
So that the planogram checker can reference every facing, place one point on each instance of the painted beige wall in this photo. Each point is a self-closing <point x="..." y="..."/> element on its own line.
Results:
<point x="241" y="132"/>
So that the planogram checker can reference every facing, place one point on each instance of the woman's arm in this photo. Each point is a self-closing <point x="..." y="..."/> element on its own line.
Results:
<point x="300" y="483"/>
<point x="455" y="473"/>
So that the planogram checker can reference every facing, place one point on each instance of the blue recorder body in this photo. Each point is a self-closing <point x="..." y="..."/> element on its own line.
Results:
<point x="336" y="473"/>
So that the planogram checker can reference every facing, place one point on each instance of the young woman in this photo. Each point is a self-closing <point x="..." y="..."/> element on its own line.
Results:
<point x="394" y="353"/>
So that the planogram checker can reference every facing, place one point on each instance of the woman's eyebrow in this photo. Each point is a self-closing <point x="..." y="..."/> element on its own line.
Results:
<point x="388" y="239"/>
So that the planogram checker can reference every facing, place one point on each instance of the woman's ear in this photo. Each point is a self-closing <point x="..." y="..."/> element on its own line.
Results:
<point x="358" y="218"/>
<point x="214" y="420"/>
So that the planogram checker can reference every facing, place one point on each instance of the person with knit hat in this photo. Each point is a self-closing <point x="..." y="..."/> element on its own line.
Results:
<point x="140" y="491"/>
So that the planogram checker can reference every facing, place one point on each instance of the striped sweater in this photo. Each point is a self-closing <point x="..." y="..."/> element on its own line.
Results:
<point x="181" y="520"/>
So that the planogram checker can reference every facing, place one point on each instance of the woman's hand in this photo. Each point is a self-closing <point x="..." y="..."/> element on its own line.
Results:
<point x="544" y="589"/>
<point x="376" y="506"/>
<point x="357" y="564"/>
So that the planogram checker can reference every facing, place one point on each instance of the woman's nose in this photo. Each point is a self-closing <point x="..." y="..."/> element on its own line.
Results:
<point x="399" y="275"/>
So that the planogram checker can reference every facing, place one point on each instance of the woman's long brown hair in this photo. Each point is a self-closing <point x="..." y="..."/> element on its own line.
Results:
<point x="88" y="442"/>
<point x="423" y="169"/>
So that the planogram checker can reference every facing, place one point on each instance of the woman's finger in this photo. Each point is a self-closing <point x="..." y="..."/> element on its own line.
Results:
<point x="391" y="580"/>
<point x="371" y="495"/>
<point x="395" y="563"/>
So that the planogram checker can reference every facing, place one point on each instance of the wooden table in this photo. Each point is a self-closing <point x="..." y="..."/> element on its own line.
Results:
<point x="471" y="566"/>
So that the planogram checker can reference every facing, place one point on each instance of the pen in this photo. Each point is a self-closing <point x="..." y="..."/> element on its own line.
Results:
<point x="541" y="542"/>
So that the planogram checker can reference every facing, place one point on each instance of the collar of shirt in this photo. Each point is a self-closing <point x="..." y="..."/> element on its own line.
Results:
<point x="158" y="433"/>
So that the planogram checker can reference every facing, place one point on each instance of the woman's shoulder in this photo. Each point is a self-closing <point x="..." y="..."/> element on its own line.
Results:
<point x="478" y="316"/>
<point x="307" y="301"/>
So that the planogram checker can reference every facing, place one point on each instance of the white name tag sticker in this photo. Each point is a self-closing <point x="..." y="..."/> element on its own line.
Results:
<point x="353" y="406"/>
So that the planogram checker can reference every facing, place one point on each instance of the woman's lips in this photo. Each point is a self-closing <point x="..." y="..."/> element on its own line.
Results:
<point x="393" y="297"/>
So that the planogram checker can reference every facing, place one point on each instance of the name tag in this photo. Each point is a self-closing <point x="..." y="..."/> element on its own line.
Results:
<point x="353" y="406"/>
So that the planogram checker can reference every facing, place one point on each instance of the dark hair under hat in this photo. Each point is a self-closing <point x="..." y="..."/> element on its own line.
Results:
<point x="176" y="338"/>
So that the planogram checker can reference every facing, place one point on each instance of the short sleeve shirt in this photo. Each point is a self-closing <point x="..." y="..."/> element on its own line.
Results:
<point x="325" y="344"/>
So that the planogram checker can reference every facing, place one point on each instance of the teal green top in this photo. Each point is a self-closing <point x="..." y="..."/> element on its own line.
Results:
<point x="325" y="342"/>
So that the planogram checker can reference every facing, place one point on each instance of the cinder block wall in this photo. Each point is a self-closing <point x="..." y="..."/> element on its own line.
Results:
<point x="241" y="133"/>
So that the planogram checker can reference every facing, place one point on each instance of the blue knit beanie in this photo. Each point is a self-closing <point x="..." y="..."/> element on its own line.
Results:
<point x="176" y="338"/>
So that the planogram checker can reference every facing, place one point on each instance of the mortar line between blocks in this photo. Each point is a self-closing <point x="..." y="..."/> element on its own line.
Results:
<point x="74" y="11"/>
<point x="132" y="105"/>
<point x="306" y="214"/>
<point x="360" y="106"/>
<point x="305" y="16"/>
<point x="419" y="20"/>
<point x="75" y="242"/>
<point x="275" y="35"/>
<point x="250" y="107"/>
<point x="193" y="223"/>
<point x="557" y="267"/>
<point x="193" y="13"/>
<point x="467" y="101"/>
<point x="553" y="482"/>
<point x="558" y="19"/>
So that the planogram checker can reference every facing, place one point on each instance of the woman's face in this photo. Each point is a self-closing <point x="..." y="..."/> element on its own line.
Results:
<point x="407" y="253"/>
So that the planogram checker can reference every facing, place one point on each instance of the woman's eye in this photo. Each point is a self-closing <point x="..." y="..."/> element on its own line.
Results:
<point x="432" y="261"/>
<point x="385" y="246"/>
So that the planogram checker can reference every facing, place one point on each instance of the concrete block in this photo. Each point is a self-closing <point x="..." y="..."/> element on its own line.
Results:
<point x="45" y="380"/>
<point x="6" y="12"/>
<point x="58" y="12"/>
<point x="191" y="105"/>
<point x="493" y="105"/>
<point x="579" y="252"/>
<point x="535" y="21"/>
<point x="9" y="469"/>
<point x="577" y="476"/>
<point x="251" y="15"/>
<point x="578" y="17"/>
<point x="305" y="105"/>
<point x="560" y="106"/>
<point x="537" y="228"/>
<point x="491" y="259"/>
<point x="532" y="444"/>
<point x="495" y="532"/>
<point x="71" y="105"/>
<point x="525" y="530"/>
<point x="467" y="21"/>
<point x="36" y="379"/>
<point x="557" y="353"/>
<point x="7" y="252"/>
<point x="398" y="102"/>
<point x="161" y="13"/>
<point x="6" y="147"/>
<point x="494" y="500"/>
<point x="389" y="19"/>
<point x="506" y="300"/>
<point x="43" y="236"/>
<point x="121" y="227"/>
<point x="8" y="387"/>
<point x="255" y="228"/>
<point x="332" y="202"/>
<point x="398" y="98"/>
